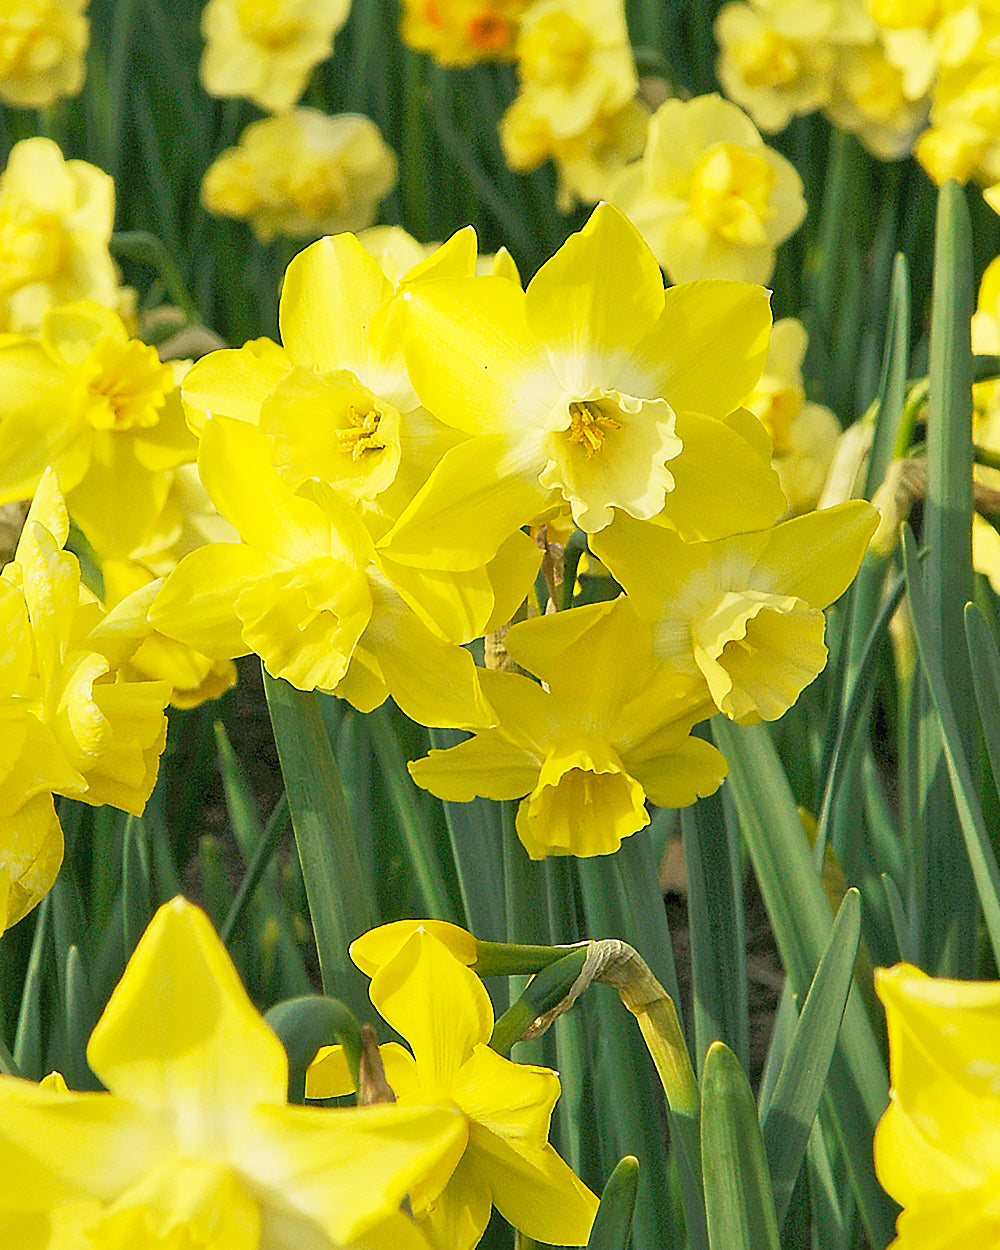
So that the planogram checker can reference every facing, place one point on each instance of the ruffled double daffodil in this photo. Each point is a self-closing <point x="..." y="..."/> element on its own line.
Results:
<point x="441" y="1007"/>
<point x="71" y="724"/>
<point x="744" y="612"/>
<point x="936" y="1146"/>
<point x="594" y="388"/>
<point x="103" y="410"/>
<point x="195" y="1144"/>
<point x="609" y="729"/>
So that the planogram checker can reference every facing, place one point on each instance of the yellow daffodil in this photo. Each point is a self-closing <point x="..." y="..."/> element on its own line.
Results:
<point x="305" y="590"/>
<point x="378" y="946"/>
<point x="743" y="612"/>
<point x="42" y="48"/>
<point x="804" y="435"/>
<point x="56" y="218"/>
<point x="868" y="98"/>
<point x="594" y="388"/>
<point x="708" y="196"/>
<point x="770" y="73"/>
<point x="302" y="173"/>
<point x="462" y="32"/>
<point x="920" y="39"/>
<point x="103" y="410"/>
<point x="442" y="1009"/>
<point x="575" y="61"/>
<point x="936" y="1146"/>
<point x="963" y="140"/>
<point x="265" y="50"/>
<point x="70" y="724"/>
<point x="195" y="1144"/>
<point x="609" y="729"/>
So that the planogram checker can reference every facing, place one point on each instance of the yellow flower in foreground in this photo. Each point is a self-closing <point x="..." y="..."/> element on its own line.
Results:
<point x="609" y="729"/>
<point x="305" y="590"/>
<point x="442" y="1009"/>
<point x="70" y="725"/>
<point x="593" y="388"/>
<point x="56" y="218"/>
<point x="743" y="612"/>
<point x="42" y="46"/>
<point x="265" y="50"/>
<point x="708" y="196"/>
<point x="102" y="409"/>
<point x="302" y="173"/>
<point x="936" y="1147"/>
<point x="195" y="1144"/>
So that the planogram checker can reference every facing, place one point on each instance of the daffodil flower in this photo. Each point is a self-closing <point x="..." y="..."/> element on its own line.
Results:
<point x="743" y="612"/>
<point x="104" y="411"/>
<point x="442" y="1009"/>
<point x="609" y="729"/>
<point x="594" y="387"/>
<point x="306" y="591"/>
<point x="195" y="1144"/>
<point x="71" y="724"/>
<point x="935" y="1147"/>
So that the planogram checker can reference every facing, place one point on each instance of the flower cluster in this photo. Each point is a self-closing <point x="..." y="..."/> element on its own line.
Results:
<point x="298" y="172"/>
<point x="876" y="69"/>
<point x="381" y="465"/>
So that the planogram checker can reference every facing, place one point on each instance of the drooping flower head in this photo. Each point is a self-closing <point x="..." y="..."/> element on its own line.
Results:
<point x="441" y="1007"/>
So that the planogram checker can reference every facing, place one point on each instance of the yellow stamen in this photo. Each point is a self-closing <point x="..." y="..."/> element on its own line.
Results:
<point x="588" y="425"/>
<point x="362" y="435"/>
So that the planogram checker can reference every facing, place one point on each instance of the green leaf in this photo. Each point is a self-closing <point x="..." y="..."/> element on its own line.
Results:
<point x="787" y="1118"/>
<point x="738" y="1199"/>
<point x="966" y="798"/>
<point x="947" y="901"/>
<point x="307" y="1023"/>
<point x="340" y="898"/>
<point x="801" y="918"/>
<point x="985" y="659"/>
<point x="715" y="917"/>
<point x="613" y="1223"/>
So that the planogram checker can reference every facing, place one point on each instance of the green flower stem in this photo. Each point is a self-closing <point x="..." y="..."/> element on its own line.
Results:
<point x="509" y="959"/>
<point x="540" y="996"/>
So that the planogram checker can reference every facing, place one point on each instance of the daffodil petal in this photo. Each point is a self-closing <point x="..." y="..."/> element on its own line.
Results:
<point x="599" y="294"/>
<point x="331" y="291"/>
<point x="233" y="382"/>
<point x="536" y="1192"/>
<point x="179" y="1036"/>
<point x="435" y="1002"/>
<point x="197" y="603"/>
<point x="479" y="494"/>
<point x="488" y="766"/>
<point x="719" y="332"/>
<point x="815" y="557"/>
<point x="376" y="947"/>
<point x="721" y="485"/>
<point x="675" y="769"/>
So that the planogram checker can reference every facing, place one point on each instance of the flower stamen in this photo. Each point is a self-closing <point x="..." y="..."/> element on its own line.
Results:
<point x="588" y="424"/>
